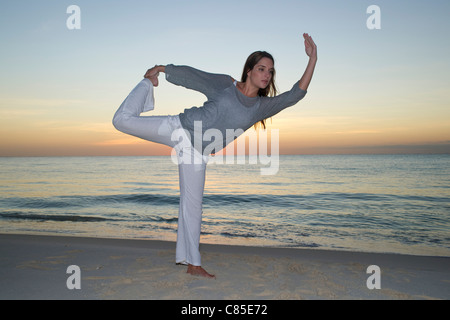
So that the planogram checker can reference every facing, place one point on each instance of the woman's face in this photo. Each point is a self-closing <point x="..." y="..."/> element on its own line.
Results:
<point x="262" y="73"/>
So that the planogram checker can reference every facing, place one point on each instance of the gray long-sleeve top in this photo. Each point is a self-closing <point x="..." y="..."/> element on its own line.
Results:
<point x="227" y="109"/>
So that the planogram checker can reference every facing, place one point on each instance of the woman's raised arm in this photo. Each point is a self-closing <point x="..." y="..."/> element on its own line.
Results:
<point x="311" y="51"/>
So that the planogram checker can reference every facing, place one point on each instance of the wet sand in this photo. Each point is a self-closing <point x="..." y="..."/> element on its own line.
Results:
<point x="35" y="267"/>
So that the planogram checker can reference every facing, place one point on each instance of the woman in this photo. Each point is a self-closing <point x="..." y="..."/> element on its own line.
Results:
<point x="230" y="105"/>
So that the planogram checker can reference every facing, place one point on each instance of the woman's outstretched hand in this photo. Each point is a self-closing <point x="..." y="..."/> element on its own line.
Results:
<point x="311" y="51"/>
<point x="310" y="46"/>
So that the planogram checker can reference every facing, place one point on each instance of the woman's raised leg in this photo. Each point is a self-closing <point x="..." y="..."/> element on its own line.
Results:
<point x="128" y="119"/>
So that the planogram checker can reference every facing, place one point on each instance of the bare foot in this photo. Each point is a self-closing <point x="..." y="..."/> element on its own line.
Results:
<point x="152" y="75"/>
<point x="199" y="271"/>
<point x="154" y="80"/>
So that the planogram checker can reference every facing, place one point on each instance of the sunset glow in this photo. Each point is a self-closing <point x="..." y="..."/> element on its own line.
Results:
<point x="374" y="91"/>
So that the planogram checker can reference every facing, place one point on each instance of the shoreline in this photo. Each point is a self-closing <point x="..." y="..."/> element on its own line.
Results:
<point x="35" y="267"/>
<point x="205" y="241"/>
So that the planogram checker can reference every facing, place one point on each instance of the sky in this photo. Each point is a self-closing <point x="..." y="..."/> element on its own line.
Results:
<point x="374" y="90"/>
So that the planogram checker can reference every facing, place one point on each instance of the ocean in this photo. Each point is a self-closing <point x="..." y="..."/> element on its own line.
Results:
<point x="370" y="203"/>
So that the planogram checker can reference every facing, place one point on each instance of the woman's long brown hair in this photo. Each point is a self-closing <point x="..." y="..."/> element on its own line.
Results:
<point x="270" y="90"/>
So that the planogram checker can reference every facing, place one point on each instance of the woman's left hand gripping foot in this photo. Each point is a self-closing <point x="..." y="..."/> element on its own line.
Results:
<point x="152" y="75"/>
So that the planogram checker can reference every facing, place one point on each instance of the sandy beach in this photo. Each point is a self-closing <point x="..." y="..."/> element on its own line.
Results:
<point x="35" y="267"/>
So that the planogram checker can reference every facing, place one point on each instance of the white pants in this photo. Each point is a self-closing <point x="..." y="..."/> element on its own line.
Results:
<point x="192" y="173"/>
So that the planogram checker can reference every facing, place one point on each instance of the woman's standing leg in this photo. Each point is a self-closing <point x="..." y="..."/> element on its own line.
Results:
<point x="192" y="170"/>
<point x="192" y="183"/>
